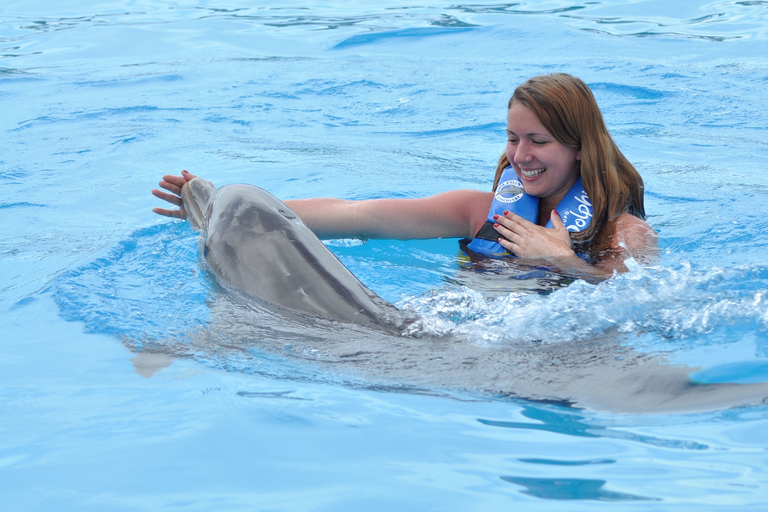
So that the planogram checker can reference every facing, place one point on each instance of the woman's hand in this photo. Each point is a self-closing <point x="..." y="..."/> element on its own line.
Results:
<point x="630" y="237"/>
<point x="173" y="184"/>
<point x="527" y="240"/>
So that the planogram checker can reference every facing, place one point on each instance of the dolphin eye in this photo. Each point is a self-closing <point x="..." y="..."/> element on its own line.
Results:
<point x="288" y="214"/>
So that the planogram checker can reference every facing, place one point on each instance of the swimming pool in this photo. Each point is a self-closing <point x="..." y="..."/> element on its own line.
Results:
<point x="345" y="99"/>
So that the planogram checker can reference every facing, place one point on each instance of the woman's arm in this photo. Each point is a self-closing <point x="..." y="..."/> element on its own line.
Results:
<point x="454" y="214"/>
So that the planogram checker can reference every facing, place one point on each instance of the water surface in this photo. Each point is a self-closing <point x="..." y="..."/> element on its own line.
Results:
<point x="355" y="100"/>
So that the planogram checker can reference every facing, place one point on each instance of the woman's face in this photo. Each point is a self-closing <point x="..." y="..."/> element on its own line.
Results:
<point x="546" y="167"/>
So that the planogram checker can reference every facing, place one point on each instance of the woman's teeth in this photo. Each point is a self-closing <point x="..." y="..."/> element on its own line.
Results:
<point x="532" y="173"/>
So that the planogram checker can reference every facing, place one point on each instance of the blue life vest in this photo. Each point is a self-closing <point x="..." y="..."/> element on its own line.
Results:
<point x="575" y="211"/>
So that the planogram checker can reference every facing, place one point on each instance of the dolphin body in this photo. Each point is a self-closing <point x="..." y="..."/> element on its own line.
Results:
<point x="254" y="242"/>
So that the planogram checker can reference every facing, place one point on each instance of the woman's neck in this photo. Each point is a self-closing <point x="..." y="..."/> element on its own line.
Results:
<point x="546" y="205"/>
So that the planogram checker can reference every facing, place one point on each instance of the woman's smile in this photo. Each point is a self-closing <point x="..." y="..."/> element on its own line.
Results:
<point x="530" y="174"/>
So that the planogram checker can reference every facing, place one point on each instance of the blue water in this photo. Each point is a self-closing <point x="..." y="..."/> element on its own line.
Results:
<point x="356" y="99"/>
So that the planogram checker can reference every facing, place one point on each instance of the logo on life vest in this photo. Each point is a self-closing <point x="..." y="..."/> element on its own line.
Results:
<point x="509" y="191"/>
<point x="578" y="218"/>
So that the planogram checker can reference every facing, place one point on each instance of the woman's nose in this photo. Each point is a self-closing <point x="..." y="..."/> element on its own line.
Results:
<point x="522" y="153"/>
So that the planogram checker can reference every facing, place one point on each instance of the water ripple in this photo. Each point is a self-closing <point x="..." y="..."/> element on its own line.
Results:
<point x="724" y="20"/>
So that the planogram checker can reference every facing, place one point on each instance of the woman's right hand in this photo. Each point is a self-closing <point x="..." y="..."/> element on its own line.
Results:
<point x="173" y="184"/>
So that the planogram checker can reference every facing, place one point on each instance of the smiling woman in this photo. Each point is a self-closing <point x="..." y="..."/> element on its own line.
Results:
<point x="556" y="140"/>
<point x="366" y="100"/>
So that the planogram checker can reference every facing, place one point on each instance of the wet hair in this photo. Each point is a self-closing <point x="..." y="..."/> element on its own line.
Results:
<point x="567" y="108"/>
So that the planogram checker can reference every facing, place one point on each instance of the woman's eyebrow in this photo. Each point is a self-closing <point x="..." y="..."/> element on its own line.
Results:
<point x="533" y="134"/>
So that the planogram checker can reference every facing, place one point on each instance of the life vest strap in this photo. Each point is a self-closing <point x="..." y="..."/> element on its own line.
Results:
<point x="488" y="232"/>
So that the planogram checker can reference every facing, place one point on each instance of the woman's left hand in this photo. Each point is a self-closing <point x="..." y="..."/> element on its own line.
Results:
<point x="531" y="241"/>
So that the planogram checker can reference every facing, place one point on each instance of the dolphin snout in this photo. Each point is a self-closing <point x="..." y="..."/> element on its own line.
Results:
<point x="197" y="196"/>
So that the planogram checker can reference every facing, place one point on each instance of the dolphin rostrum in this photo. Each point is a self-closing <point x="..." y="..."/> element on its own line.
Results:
<point x="254" y="242"/>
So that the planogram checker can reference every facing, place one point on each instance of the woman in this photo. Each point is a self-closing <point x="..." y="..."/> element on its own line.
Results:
<point x="557" y="147"/>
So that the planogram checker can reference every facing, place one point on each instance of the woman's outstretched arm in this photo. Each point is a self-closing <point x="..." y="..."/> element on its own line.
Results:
<point x="453" y="214"/>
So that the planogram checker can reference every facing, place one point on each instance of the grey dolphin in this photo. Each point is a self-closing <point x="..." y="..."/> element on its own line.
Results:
<point x="254" y="242"/>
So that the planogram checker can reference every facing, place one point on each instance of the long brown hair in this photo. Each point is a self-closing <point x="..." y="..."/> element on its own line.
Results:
<point x="566" y="107"/>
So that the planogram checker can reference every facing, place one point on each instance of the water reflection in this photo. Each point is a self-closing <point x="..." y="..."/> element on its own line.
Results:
<point x="572" y="422"/>
<point x="571" y="489"/>
<point x="555" y="462"/>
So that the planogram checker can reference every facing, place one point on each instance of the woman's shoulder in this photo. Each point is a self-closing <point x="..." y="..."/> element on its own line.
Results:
<point x="628" y="222"/>
<point x="636" y="236"/>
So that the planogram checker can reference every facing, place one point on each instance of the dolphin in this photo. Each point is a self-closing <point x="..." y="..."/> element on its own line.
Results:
<point x="254" y="242"/>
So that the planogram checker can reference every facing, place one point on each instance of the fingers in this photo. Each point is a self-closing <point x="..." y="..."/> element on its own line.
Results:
<point x="188" y="176"/>
<point x="509" y="231"/>
<point x="173" y="184"/>
<point x="173" y="199"/>
<point x="176" y="214"/>
<point x="510" y="225"/>
<point x="506" y="234"/>
<point x="557" y="222"/>
<point x="560" y="229"/>
<point x="528" y="240"/>
<point x="508" y="245"/>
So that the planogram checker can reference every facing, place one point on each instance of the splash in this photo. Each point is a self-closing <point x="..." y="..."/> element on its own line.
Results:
<point x="687" y="306"/>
